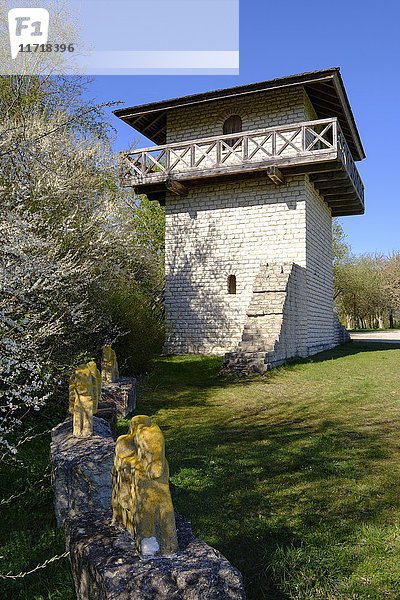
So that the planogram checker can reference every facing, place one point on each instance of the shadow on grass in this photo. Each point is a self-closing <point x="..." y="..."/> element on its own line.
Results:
<point x="258" y="485"/>
<point x="351" y="348"/>
<point x="189" y="380"/>
<point x="252" y="489"/>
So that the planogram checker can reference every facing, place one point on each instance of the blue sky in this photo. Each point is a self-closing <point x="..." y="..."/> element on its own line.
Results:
<point x="283" y="38"/>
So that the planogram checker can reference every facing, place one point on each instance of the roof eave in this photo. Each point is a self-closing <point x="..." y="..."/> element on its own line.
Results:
<point x="212" y="96"/>
<point x="341" y="92"/>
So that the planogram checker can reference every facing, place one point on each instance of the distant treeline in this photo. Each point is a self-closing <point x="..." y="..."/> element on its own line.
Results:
<point x="367" y="287"/>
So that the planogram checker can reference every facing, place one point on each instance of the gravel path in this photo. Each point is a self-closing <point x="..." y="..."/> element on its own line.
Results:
<point x="388" y="337"/>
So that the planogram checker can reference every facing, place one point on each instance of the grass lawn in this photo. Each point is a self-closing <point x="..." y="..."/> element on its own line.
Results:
<point x="293" y="476"/>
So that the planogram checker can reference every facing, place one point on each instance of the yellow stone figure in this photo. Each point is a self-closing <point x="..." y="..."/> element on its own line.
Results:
<point x="84" y="394"/>
<point x="96" y="383"/>
<point x="125" y="463"/>
<point x="109" y="365"/>
<point x="141" y="497"/>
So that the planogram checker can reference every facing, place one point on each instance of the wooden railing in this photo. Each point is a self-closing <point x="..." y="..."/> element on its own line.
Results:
<point x="349" y="164"/>
<point x="311" y="141"/>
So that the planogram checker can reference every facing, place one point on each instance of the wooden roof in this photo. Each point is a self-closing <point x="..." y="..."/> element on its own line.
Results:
<point x="325" y="89"/>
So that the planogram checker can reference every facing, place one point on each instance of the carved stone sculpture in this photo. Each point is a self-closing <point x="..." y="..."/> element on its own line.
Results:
<point x="84" y="394"/>
<point x="109" y="365"/>
<point x="141" y="498"/>
<point x="126" y="457"/>
<point x="96" y="383"/>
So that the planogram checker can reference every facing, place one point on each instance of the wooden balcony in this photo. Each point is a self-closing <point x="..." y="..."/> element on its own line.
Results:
<point x="317" y="148"/>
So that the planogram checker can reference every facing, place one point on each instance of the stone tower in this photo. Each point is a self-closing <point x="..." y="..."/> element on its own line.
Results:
<point x="250" y="178"/>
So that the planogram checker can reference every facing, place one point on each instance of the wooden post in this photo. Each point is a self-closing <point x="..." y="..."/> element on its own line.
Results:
<point x="275" y="175"/>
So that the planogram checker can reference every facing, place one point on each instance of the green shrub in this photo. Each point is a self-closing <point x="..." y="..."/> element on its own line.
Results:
<point x="141" y="324"/>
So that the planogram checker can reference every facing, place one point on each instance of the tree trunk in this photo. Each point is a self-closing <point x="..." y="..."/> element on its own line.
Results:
<point x="381" y="322"/>
<point x="391" y="322"/>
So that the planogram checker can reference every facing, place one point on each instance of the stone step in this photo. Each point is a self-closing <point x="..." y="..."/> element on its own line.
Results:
<point x="255" y="348"/>
<point x="249" y="366"/>
<point x="268" y="335"/>
<point x="263" y="323"/>
<point x="236" y="357"/>
<point x="262" y="332"/>
<point x="263" y="327"/>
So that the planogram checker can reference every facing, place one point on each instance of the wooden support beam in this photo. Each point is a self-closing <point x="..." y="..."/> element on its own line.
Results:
<point x="344" y="192"/>
<point x="348" y="206"/>
<point x="345" y="207"/>
<point x="150" y="188"/>
<point x="327" y="86"/>
<point x="153" y="123"/>
<point x="329" y="176"/>
<point x="275" y="175"/>
<point x="163" y="126"/>
<point x="325" y="178"/>
<point x="176" y="187"/>
<point x="347" y="213"/>
<point x="312" y="168"/>
<point x="333" y="184"/>
<point x="346" y="197"/>
<point x="348" y="202"/>
<point x="327" y="93"/>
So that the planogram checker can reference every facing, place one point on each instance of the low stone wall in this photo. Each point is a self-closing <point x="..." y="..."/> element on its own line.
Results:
<point x="105" y="564"/>
<point x="81" y="470"/>
<point x="122" y="394"/>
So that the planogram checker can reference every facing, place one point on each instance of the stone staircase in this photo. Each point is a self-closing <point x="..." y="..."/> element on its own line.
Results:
<point x="266" y="340"/>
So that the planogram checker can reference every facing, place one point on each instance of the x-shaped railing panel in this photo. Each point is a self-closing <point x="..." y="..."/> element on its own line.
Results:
<point x="154" y="162"/>
<point x="179" y="158"/>
<point x="319" y="137"/>
<point x="204" y="153"/>
<point x="229" y="150"/>
<point x="288" y="142"/>
<point x="260" y="146"/>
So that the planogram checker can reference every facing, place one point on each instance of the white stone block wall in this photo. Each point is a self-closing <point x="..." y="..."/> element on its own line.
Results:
<point x="257" y="111"/>
<point x="221" y="230"/>
<point x="230" y="229"/>
<point x="321" y="329"/>
<point x="292" y="341"/>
